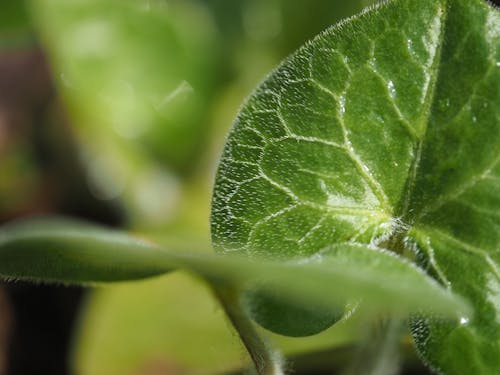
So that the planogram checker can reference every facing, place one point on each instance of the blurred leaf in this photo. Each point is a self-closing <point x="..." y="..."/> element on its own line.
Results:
<point x="136" y="77"/>
<point x="15" y="25"/>
<point x="69" y="251"/>
<point x="171" y="320"/>
<point x="135" y="68"/>
<point x="167" y="322"/>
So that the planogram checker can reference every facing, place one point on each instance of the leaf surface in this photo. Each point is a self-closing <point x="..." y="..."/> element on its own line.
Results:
<point x="383" y="130"/>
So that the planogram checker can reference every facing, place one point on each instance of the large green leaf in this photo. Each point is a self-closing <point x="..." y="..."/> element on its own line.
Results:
<point x="69" y="251"/>
<point x="383" y="130"/>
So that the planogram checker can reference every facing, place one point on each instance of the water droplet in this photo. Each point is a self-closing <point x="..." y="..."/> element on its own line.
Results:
<point x="464" y="320"/>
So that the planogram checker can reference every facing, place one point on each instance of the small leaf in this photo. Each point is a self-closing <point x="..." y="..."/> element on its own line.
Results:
<point x="378" y="274"/>
<point x="70" y="251"/>
<point x="383" y="131"/>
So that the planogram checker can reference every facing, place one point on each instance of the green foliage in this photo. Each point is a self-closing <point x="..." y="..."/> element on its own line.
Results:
<point x="361" y="175"/>
<point x="383" y="131"/>
<point x="70" y="251"/>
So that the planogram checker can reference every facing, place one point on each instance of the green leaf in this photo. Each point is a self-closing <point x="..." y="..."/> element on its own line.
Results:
<point x="383" y="130"/>
<point x="175" y="308"/>
<point x="70" y="251"/>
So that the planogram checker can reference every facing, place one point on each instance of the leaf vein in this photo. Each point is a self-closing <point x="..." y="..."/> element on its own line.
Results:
<point x="426" y="113"/>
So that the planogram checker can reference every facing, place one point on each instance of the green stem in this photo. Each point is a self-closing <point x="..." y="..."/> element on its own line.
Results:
<point x="266" y="360"/>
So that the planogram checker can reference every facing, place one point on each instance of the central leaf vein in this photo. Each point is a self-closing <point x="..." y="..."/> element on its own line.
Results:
<point x="404" y="211"/>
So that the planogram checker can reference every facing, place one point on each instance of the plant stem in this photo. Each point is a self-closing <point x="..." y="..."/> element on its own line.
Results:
<point x="266" y="360"/>
<point x="380" y="355"/>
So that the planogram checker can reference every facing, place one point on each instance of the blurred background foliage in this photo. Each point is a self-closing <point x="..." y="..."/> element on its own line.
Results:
<point x="116" y="111"/>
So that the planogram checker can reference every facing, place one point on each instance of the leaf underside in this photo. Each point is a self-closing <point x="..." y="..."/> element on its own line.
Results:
<point x="384" y="130"/>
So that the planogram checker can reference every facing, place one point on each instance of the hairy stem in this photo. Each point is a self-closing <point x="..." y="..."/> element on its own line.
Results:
<point x="380" y="355"/>
<point x="266" y="360"/>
